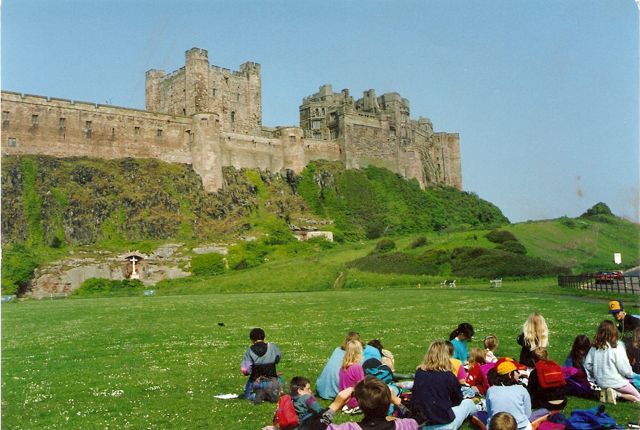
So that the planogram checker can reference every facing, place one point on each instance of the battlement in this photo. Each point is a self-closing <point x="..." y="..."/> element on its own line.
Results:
<point x="211" y="116"/>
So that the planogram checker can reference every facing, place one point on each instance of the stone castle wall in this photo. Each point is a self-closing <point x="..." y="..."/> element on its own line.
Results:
<point x="212" y="117"/>
<point x="64" y="128"/>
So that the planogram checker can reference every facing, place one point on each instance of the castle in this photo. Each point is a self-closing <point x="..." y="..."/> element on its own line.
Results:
<point x="211" y="117"/>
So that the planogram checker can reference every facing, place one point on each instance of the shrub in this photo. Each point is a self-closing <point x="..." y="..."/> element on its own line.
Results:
<point x="429" y="263"/>
<point x="501" y="236"/>
<point x="385" y="245"/>
<point x="98" y="286"/>
<point x="207" y="264"/>
<point x="248" y="254"/>
<point x="18" y="265"/>
<point x="513" y="246"/>
<point x="599" y="208"/>
<point x="568" y="222"/>
<point x="491" y="263"/>
<point x="418" y="242"/>
<point x="279" y="235"/>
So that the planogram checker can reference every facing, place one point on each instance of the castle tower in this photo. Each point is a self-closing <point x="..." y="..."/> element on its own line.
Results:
<point x="206" y="152"/>
<point x="152" y="81"/>
<point x="196" y="81"/>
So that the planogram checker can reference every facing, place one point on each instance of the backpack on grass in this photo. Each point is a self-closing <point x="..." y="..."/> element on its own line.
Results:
<point x="286" y="417"/>
<point x="550" y="374"/>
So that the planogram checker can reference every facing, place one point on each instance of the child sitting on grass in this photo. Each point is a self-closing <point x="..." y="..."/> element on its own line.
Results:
<point x="535" y="334"/>
<point x="503" y="421"/>
<point x="507" y="395"/>
<point x="475" y="378"/>
<point x="351" y="372"/>
<point x="307" y="408"/>
<point x="491" y="346"/>
<point x="608" y="366"/>
<point x="436" y="393"/>
<point x="374" y="398"/>
<point x="460" y="337"/>
<point x="573" y="367"/>
<point x="456" y="365"/>
<point x="553" y="395"/>
<point x="259" y="363"/>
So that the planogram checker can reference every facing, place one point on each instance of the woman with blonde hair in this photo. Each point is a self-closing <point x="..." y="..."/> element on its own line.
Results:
<point x="351" y="372"/>
<point x="436" y="391"/>
<point x="535" y="334"/>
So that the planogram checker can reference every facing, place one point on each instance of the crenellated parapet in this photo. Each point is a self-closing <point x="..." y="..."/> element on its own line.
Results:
<point x="211" y="117"/>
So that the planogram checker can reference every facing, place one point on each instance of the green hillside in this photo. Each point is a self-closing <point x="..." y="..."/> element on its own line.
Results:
<point x="582" y="244"/>
<point x="54" y="207"/>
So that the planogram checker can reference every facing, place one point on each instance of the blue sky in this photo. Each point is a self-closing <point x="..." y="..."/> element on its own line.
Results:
<point x="543" y="93"/>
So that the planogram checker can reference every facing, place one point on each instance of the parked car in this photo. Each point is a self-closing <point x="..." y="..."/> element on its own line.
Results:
<point x="605" y="276"/>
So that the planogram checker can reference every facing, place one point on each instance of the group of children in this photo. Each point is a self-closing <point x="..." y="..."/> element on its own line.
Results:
<point x="454" y="382"/>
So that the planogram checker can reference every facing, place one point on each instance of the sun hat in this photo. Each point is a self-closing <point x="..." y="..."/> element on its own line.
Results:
<point x="615" y="306"/>
<point x="506" y="365"/>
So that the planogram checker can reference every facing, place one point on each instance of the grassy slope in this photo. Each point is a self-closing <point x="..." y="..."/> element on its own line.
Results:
<point x="589" y="246"/>
<point x="156" y="362"/>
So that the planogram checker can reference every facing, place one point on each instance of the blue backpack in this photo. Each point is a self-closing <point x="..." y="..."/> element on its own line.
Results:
<point x="591" y="419"/>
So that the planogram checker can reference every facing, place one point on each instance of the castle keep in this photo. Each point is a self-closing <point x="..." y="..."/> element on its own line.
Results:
<point x="211" y="117"/>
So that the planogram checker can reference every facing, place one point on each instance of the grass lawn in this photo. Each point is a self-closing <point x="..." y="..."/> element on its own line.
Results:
<point x="156" y="362"/>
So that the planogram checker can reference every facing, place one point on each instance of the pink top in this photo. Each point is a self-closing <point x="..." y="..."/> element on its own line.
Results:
<point x="349" y="377"/>
<point x="400" y="423"/>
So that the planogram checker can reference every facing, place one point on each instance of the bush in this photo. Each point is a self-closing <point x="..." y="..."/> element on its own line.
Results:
<point x="599" y="208"/>
<point x="491" y="263"/>
<point x="279" y="235"/>
<point x="418" y="242"/>
<point x="501" y="236"/>
<point x="568" y="222"/>
<point x="18" y="265"/>
<point x="248" y="254"/>
<point x="98" y="286"/>
<point x="207" y="264"/>
<point x="385" y="245"/>
<point x="512" y="246"/>
<point x="429" y="263"/>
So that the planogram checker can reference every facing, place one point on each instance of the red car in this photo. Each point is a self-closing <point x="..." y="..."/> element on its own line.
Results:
<point x="608" y="276"/>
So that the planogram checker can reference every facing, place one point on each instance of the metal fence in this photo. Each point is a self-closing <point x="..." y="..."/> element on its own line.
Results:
<point x="587" y="281"/>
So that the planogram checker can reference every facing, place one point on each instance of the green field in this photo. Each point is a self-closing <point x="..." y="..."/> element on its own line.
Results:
<point x="156" y="362"/>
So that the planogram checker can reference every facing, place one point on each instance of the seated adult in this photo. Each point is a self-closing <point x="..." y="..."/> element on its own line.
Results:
<point x="627" y="323"/>
<point x="327" y="383"/>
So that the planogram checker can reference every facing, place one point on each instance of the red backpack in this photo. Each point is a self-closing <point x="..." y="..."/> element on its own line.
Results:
<point x="286" y="417"/>
<point x="549" y="374"/>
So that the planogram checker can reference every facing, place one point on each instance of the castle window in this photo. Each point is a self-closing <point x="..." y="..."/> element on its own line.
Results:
<point x="113" y="131"/>
<point x="159" y="132"/>
<point x="34" y="120"/>
<point x="62" y="123"/>
<point x="233" y="116"/>
<point x="11" y="142"/>
<point x="315" y="125"/>
<point x="87" y="129"/>
<point x="292" y="139"/>
<point x="136" y="130"/>
<point x="334" y="133"/>
<point x="213" y="92"/>
<point x="184" y="111"/>
<point x="5" y="118"/>
<point x="238" y="97"/>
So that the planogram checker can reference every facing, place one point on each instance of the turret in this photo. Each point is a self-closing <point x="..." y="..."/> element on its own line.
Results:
<point x="196" y="81"/>
<point x="152" y="81"/>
